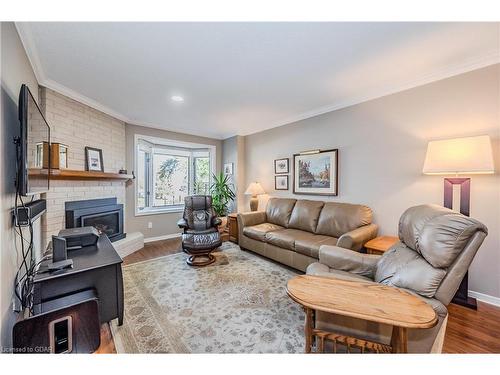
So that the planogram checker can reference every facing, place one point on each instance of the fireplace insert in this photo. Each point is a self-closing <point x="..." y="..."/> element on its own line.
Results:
<point x="106" y="215"/>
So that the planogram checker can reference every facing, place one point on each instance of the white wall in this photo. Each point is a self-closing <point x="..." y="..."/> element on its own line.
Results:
<point x="15" y="70"/>
<point x="163" y="224"/>
<point x="233" y="151"/>
<point x="382" y="145"/>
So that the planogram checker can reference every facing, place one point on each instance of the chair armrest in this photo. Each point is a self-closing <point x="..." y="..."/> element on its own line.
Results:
<point x="356" y="239"/>
<point x="182" y="223"/>
<point x="347" y="260"/>
<point x="216" y="221"/>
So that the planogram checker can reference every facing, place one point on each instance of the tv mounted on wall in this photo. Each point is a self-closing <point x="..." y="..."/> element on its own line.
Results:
<point x="33" y="147"/>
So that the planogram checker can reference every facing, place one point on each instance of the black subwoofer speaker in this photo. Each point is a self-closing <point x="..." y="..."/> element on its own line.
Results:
<point x="64" y="325"/>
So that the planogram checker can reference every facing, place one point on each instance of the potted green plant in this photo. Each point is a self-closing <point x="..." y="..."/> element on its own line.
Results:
<point x="222" y="195"/>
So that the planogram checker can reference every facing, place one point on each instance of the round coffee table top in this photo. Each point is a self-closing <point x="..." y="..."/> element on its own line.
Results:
<point x="367" y="301"/>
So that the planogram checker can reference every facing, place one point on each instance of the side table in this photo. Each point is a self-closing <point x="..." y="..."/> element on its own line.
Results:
<point x="380" y="245"/>
<point x="233" y="227"/>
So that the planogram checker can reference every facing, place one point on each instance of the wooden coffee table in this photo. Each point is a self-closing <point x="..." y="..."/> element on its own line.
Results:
<point x="367" y="301"/>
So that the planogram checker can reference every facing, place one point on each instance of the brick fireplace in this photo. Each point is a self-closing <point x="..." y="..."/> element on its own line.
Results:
<point x="78" y="125"/>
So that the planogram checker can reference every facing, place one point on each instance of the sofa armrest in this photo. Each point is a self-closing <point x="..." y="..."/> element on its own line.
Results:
<point x="247" y="219"/>
<point x="347" y="260"/>
<point x="356" y="239"/>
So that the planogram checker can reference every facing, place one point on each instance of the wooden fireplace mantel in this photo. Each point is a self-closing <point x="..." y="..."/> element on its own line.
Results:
<point x="71" y="174"/>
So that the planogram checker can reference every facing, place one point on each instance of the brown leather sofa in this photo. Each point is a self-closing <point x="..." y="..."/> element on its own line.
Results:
<point x="291" y="231"/>
<point x="436" y="247"/>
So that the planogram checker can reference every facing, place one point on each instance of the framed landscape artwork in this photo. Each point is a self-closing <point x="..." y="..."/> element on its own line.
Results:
<point x="316" y="173"/>
<point x="281" y="166"/>
<point x="281" y="182"/>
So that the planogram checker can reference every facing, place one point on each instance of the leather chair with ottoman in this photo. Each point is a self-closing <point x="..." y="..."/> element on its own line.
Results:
<point x="201" y="235"/>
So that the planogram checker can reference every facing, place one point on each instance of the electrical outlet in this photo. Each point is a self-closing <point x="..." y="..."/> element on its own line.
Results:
<point x="150" y="225"/>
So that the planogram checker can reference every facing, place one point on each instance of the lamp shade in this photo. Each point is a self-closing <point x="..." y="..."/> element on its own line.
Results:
<point x="469" y="155"/>
<point x="254" y="189"/>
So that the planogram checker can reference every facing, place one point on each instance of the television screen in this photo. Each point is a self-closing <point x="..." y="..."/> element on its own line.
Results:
<point x="33" y="177"/>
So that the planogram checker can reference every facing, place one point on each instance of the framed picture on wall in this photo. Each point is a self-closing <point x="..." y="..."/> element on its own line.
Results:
<point x="281" y="166"/>
<point x="281" y="182"/>
<point x="316" y="172"/>
<point x="228" y="168"/>
<point x="93" y="159"/>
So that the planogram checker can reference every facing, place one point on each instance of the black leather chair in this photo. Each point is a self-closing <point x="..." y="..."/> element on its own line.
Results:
<point x="201" y="235"/>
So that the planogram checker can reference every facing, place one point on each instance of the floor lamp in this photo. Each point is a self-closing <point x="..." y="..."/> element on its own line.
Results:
<point x="460" y="156"/>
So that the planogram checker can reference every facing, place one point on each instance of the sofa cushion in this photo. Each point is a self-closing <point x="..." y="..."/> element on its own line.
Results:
<point x="258" y="232"/>
<point x="305" y="215"/>
<point x="279" y="210"/>
<point x="404" y="268"/>
<point x="336" y="219"/>
<point x="286" y="238"/>
<point x="310" y="245"/>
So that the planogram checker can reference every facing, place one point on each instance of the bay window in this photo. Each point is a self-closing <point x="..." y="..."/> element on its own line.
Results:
<point x="168" y="171"/>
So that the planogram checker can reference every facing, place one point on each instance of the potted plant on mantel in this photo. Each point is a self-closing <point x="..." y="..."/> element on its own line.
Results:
<point x="222" y="195"/>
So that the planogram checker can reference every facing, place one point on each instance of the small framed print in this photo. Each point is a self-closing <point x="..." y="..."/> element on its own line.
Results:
<point x="281" y="182"/>
<point x="228" y="168"/>
<point x="281" y="166"/>
<point x="93" y="159"/>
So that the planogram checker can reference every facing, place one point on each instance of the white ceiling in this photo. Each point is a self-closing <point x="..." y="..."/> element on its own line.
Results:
<point x="240" y="78"/>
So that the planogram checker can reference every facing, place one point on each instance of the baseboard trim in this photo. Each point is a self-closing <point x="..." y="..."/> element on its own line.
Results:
<point x="164" y="237"/>
<point x="485" y="298"/>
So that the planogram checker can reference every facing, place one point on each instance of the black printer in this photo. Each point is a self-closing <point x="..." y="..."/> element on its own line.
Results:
<point x="76" y="238"/>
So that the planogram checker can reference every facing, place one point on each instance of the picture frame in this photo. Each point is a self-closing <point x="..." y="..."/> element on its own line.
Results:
<point x="228" y="168"/>
<point x="93" y="159"/>
<point x="281" y="182"/>
<point x="282" y="166"/>
<point x="316" y="172"/>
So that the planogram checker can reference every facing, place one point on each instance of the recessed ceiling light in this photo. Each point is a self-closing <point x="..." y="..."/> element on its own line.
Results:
<point x="177" y="98"/>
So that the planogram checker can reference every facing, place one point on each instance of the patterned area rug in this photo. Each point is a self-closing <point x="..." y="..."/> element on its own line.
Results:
<point x="236" y="305"/>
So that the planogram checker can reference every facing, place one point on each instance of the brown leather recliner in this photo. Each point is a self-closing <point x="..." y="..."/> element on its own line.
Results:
<point x="201" y="235"/>
<point x="436" y="248"/>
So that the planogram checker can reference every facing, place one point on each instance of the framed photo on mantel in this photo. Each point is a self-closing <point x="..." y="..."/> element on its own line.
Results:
<point x="93" y="159"/>
<point x="316" y="172"/>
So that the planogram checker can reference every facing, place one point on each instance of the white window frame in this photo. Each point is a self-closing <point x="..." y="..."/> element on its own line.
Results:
<point x="169" y="143"/>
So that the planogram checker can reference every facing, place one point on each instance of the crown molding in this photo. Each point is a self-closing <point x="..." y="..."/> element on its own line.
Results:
<point x="25" y="35"/>
<point x="488" y="59"/>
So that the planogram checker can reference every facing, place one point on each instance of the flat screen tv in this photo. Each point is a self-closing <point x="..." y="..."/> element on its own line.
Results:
<point x="34" y="147"/>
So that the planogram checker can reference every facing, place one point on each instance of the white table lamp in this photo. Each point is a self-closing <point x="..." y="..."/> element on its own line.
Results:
<point x="254" y="189"/>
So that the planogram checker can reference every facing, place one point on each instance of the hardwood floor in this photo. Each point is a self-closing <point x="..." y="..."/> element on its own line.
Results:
<point x="468" y="331"/>
<point x="472" y="331"/>
<point x="154" y="250"/>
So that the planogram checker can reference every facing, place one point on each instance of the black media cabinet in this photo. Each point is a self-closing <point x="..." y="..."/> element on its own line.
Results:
<point x="95" y="267"/>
